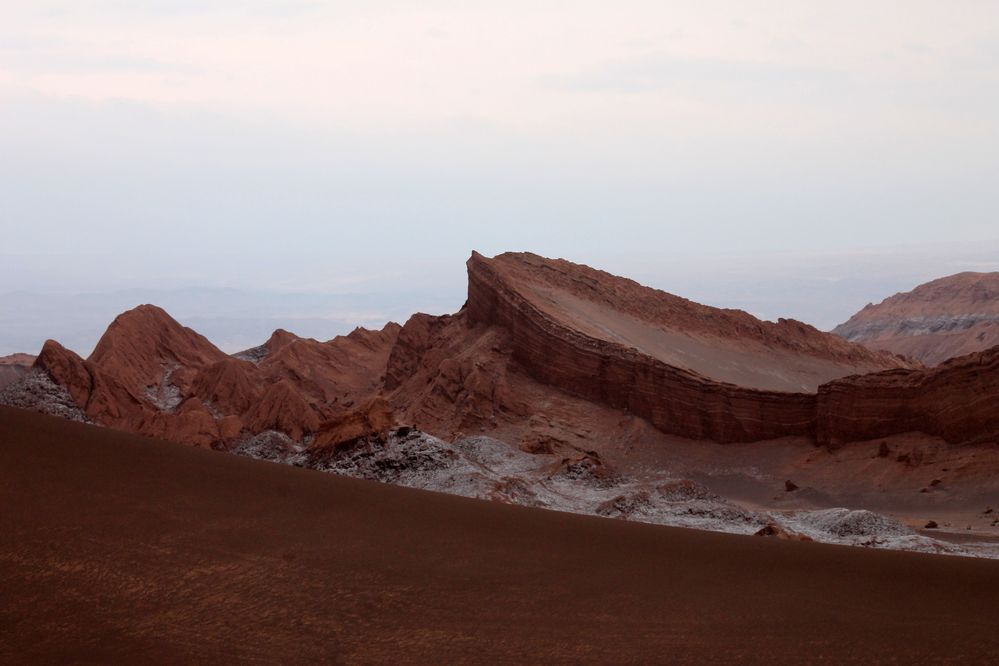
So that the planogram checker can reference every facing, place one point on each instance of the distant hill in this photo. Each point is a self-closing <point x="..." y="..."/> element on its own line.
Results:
<point x="949" y="317"/>
<point x="13" y="367"/>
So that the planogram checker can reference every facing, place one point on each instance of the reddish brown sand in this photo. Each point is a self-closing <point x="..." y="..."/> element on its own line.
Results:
<point x="116" y="548"/>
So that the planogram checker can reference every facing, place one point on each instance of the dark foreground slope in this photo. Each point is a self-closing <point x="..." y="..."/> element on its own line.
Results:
<point x="116" y="548"/>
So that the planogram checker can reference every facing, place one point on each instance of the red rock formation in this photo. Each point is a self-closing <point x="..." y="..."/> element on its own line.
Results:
<point x="230" y="385"/>
<point x="536" y="336"/>
<point x="145" y="347"/>
<point x="152" y="376"/>
<point x="465" y="365"/>
<point x="192" y="424"/>
<point x="936" y="321"/>
<point x="280" y="339"/>
<point x="958" y="401"/>
<point x="68" y="370"/>
<point x="337" y="373"/>
<point x="676" y="400"/>
<point x="447" y="377"/>
<point x="283" y="408"/>
<point x="374" y="418"/>
<point x="728" y="346"/>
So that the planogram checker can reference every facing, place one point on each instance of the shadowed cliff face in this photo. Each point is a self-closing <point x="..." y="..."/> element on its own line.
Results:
<point x="542" y="351"/>
<point x="942" y="319"/>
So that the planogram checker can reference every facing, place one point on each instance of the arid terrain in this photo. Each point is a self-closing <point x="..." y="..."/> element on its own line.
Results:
<point x="14" y="367"/>
<point x="499" y="332"/>
<point x="562" y="387"/>
<point x="616" y="474"/>
<point x="115" y="548"/>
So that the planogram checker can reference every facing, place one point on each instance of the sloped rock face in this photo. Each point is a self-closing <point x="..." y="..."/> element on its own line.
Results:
<point x="467" y="372"/>
<point x="957" y="401"/>
<point x="66" y="369"/>
<point x="942" y="319"/>
<point x="448" y="377"/>
<point x="724" y="345"/>
<point x="341" y="372"/>
<point x="142" y="345"/>
<point x="283" y="408"/>
<point x="675" y="400"/>
<point x="231" y="385"/>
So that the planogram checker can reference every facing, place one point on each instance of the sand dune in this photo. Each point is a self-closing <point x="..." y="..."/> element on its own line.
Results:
<point x="117" y="548"/>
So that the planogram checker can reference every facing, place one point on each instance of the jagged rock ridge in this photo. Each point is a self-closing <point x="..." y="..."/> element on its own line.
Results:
<point x="152" y="376"/>
<point x="544" y="351"/>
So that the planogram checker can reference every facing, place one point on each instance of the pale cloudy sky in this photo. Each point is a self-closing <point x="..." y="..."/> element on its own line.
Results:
<point x="367" y="147"/>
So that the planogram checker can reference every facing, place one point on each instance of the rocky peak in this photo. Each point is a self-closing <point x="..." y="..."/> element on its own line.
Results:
<point x="67" y="369"/>
<point x="141" y="345"/>
<point x="280" y="339"/>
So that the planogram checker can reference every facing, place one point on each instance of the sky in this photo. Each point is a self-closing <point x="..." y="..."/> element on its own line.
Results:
<point x="792" y="158"/>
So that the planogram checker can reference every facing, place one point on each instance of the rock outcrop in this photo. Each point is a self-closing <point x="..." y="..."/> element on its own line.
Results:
<point x="518" y="321"/>
<point x="152" y="376"/>
<point x="942" y="319"/>
<point x="528" y="296"/>
<point x="957" y="401"/>
<point x="544" y="354"/>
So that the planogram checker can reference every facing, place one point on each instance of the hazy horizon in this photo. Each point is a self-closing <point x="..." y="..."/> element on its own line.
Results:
<point x="793" y="161"/>
<point x="820" y="289"/>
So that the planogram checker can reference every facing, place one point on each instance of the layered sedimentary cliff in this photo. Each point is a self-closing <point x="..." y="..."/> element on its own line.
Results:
<point x="957" y="401"/>
<point x="514" y="311"/>
<point x="675" y="400"/>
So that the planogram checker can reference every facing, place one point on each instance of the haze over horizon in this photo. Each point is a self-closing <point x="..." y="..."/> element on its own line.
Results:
<point x="792" y="161"/>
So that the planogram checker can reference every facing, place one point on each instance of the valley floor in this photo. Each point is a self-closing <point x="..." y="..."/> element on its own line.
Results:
<point x="116" y="548"/>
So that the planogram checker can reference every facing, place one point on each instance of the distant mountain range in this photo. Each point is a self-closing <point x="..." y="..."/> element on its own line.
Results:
<point x="233" y="319"/>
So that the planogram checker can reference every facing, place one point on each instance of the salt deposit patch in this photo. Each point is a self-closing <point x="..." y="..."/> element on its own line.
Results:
<point x="36" y="391"/>
<point x="485" y="468"/>
<point x="165" y="397"/>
